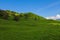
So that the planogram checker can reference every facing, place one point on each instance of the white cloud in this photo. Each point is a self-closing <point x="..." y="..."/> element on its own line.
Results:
<point x="54" y="17"/>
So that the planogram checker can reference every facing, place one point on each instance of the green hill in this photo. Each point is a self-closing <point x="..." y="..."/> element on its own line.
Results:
<point x="27" y="26"/>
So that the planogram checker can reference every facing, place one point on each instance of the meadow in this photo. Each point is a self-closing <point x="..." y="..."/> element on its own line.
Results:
<point x="29" y="29"/>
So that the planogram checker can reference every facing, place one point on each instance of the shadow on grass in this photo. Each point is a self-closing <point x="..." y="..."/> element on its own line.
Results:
<point x="4" y="28"/>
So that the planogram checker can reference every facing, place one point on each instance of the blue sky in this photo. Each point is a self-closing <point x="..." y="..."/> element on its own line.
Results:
<point x="40" y="7"/>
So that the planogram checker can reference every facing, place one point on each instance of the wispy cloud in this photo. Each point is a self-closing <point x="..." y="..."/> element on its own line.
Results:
<point x="52" y="5"/>
<point x="49" y="6"/>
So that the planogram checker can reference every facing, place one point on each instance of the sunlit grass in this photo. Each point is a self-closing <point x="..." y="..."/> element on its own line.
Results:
<point x="28" y="30"/>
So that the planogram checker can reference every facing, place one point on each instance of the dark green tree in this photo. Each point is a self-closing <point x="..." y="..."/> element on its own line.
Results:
<point x="16" y="17"/>
<point x="21" y="14"/>
<point x="4" y="14"/>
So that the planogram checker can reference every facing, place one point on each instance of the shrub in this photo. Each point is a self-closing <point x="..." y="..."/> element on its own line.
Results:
<point x="16" y="17"/>
<point x="4" y="14"/>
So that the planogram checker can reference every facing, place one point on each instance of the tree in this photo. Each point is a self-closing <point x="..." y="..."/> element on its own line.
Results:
<point x="4" y="14"/>
<point x="21" y="14"/>
<point x="26" y="16"/>
<point x="16" y="17"/>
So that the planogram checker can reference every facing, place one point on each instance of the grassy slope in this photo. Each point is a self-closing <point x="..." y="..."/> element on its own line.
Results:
<point x="28" y="30"/>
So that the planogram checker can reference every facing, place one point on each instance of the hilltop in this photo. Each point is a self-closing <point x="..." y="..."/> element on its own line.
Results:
<point x="10" y="15"/>
<point x="27" y="26"/>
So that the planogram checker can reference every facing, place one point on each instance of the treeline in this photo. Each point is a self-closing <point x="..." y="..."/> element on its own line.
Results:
<point x="7" y="14"/>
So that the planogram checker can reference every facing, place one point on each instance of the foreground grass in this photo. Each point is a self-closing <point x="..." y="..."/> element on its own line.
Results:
<point x="28" y="30"/>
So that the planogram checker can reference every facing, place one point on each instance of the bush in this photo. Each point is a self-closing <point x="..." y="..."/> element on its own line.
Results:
<point x="21" y="14"/>
<point x="4" y="14"/>
<point x="16" y="17"/>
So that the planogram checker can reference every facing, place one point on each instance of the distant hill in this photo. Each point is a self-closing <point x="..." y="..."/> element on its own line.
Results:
<point x="7" y="14"/>
<point x="27" y="26"/>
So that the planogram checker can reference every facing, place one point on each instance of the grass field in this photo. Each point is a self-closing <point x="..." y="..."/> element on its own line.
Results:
<point x="28" y="30"/>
